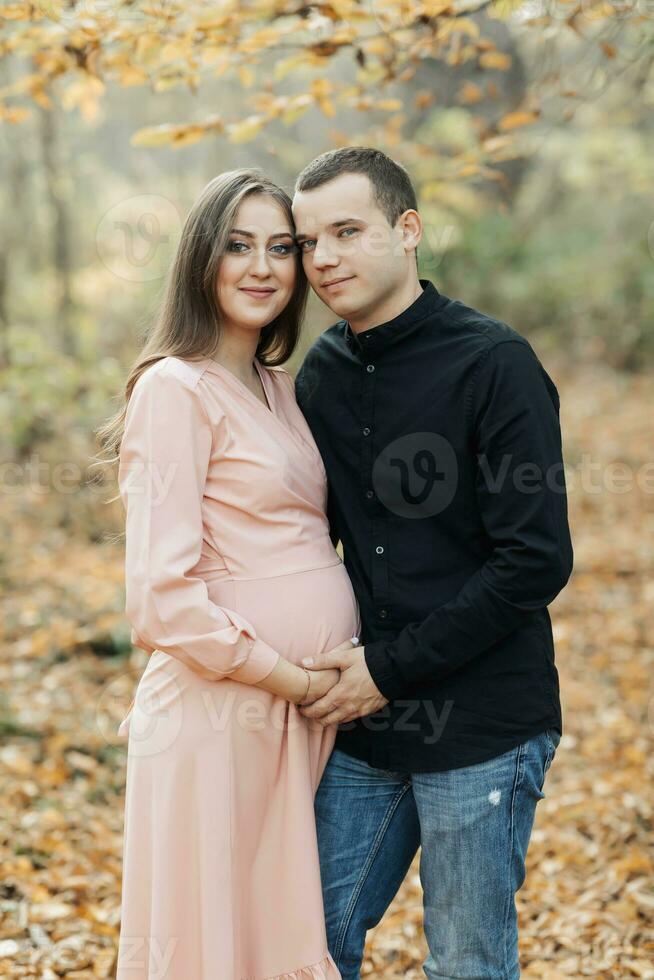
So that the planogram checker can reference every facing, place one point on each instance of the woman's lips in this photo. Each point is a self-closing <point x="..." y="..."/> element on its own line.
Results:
<point x="258" y="293"/>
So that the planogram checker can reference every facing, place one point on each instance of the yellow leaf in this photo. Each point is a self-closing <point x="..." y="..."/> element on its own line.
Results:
<point x="470" y="93"/>
<point x="285" y="67"/>
<point x="50" y="911"/>
<point x="154" y="136"/>
<point x="267" y="37"/>
<point x="268" y="104"/>
<point x="321" y="87"/>
<point x="13" y="11"/>
<point x="434" y="8"/>
<point x="26" y="83"/>
<point x="389" y="105"/>
<point x="496" y="144"/>
<point x="246" y="130"/>
<point x="460" y="25"/>
<point x="371" y="74"/>
<point x="296" y="109"/>
<point x="41" y="98"/>
<point x="495" y="59"/>
<point x="131" y="75"/>
<point x="14" y="115"/>
<point x="502" y="9"/>
<point x="148" y="47"/>
<point x="376" y="45"/>
<point x="407" y="74"/>
<point x="345" y="9"/>
<point x="188" y="135"/>
<point x="600" y="11"/>
<point x="47" y="8"/>
<point x="165" y="83"/>
<point x="245" y="76"/>
<point x="214" y="20"/>
<point x="176" y="135"/>
<point x="213" y="54"/>
<point x="327" y="107"/>
<point x="512" y="120"/>
<point x="343" y="37"/>
<point x="16" y="761"/>
<point x="468" y="170"/>
<point x="221" y="63"/>
<point x="422" y="100"/>
<point x="83" y="93"/>
<point x="173" y="51"/>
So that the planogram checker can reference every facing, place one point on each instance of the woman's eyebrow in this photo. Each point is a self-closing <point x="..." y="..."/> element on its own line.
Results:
<point x="249" y="234"/>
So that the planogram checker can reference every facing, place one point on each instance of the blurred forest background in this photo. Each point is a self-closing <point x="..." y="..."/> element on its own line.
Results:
<point x="528" y="127"/>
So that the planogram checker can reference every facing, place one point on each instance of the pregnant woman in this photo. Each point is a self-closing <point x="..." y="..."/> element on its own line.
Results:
<point x="231" y="579"/>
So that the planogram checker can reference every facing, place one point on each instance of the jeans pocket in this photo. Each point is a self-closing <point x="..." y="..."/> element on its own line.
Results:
<point x="535" y="775"/>
<point x="553" y="739"/>
<point x="540" y="752"/>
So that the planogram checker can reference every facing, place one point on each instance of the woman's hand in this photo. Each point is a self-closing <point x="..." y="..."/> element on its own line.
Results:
<point x="321" y="681"/>
<point x="288" y="680"/>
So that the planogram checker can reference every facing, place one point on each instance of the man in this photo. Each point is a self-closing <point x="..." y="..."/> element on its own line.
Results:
<point x="440" y="435"/>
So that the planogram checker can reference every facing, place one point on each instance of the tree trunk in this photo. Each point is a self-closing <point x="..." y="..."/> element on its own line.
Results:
<point x="61" y="228"/>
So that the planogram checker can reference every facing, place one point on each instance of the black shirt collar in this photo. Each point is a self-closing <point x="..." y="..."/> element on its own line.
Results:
<point x="377" y="339"/>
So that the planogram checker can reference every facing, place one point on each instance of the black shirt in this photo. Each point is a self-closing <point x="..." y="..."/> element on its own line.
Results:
<point x="440" y="435"/>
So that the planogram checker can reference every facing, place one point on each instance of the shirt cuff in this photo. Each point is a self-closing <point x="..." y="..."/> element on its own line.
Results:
<point x="261" y="660"/>
<point x="382" y="671"/>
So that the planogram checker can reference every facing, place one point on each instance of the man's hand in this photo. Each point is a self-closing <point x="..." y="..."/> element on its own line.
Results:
<point x="354" y="696"/>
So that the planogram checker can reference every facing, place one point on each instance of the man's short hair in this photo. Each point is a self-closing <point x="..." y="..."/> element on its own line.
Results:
<point x="393" y="191"/>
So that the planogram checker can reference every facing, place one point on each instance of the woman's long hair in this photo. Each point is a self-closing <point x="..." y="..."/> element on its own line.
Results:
<point x="188" y="321"/>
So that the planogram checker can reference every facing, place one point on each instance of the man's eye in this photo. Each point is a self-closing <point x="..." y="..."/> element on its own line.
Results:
<point x="307" y="244"/>
<point x="345" y="230"/>
<point x="236" y="246"/>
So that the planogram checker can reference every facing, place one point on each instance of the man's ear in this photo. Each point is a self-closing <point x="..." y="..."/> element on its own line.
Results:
<point x="410" y="224"/>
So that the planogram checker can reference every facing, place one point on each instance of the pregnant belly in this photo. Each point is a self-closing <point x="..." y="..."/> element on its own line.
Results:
<point x="298" y="614"/>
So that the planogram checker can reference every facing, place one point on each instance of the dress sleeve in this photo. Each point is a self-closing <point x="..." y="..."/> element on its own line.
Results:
<point x="164" y="458"/>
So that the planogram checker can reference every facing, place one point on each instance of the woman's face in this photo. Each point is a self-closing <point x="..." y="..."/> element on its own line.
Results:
<point x="257" y="274"/>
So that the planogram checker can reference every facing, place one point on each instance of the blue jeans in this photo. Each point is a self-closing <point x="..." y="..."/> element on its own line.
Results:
<point x="473" y="825"/>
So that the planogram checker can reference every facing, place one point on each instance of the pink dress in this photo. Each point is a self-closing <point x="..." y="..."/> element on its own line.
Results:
<point x="229" y="566"/>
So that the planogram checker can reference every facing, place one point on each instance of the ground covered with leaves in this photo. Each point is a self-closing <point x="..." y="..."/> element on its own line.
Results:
<point x="67" y="675"/>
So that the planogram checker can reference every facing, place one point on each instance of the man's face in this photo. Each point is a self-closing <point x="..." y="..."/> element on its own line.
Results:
<point x="352" y="256"/>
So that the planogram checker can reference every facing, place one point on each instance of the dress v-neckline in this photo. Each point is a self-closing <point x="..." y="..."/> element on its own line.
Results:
<point x="262" y="376"/>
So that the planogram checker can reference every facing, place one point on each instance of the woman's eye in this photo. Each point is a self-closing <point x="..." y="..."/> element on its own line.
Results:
<point x="283" y="249"/>
<point x="236" y="246"/>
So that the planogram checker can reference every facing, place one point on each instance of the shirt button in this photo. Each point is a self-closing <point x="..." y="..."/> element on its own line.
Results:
<point x="370" y="368"/>
<point x="370" y="494"/>
<point x="383" y="613"/>
<point x="367" y="430"/>
<point x="379" y="550"/>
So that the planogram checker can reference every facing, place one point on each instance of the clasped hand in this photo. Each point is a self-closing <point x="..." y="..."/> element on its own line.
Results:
<point x="352" y="694"/>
